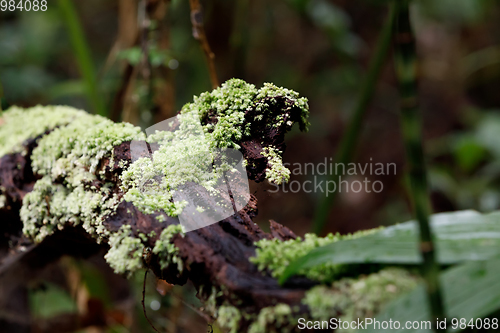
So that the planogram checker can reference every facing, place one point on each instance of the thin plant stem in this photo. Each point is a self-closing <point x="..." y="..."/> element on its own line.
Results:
<point x="83" y="55"/>
<point x="411" y="127"/>
<point x="350" y="139"/>
<point x="143" y="298"/>
<point x="199" y="35"/>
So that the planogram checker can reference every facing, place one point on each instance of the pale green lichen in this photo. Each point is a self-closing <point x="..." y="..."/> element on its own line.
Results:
<point x="166" y="250"/>
<point x="186" y="153"/>
<point x="277" y="173"/>
<point x="74" y="151"/>
<point x="49" y="206"/>
<point x="18" y="124"/>
<point x="276" y="255"/>
<point x="277" y="318"/>
<point x="349" y="299"/>
<point x="268" y="95"/>
<point x="229" y="103"/>
<point x="125" y="253"/>
<point x="68" y="158"/>
<point x="183" y="156"/>
<point x="229" y="317"/>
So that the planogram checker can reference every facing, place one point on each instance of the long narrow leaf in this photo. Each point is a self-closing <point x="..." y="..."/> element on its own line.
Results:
<point x="83" y="55"/>
<point x="460" y="236"/>
<point x="470" y="291"/>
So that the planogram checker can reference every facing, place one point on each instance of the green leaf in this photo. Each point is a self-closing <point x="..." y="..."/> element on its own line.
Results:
<point x="460" y="236"/>
<point x="470" y="291"/>
<point x="51" y="301"/>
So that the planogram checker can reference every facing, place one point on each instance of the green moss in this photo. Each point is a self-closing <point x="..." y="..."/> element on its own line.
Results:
<point x="277" y="173"/>
<point x="166" y="250"/>
<point x="125" y="253"/>
<point x="276" y="255"/>
<point x="229" y="103"/>
<point x="68" y="158"/>
<point x="18" y="124"/>
<point x="74" y="151"/>
<point x="229" y="317"/>
<point x="49" y="206"/>
<point x="268" y="95"/>
<point x="185" y="155"/>
<point x="277" y="318"/>
<point x="350" y="299"/>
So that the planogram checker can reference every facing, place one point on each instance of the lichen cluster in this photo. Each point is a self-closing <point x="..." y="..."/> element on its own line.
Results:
<point x="125" y="253"/>
<point x="349" y="299"/>
<point x="268" y="96"/>
<point x="68" y="158"/>
<point x="183" y="156"/>
<point x="275" y="255"/>
<point x="186" y="153"/>
<point x="166" y="250"/>
<point x="18" y="125"/>
<point x="277" y="173"/>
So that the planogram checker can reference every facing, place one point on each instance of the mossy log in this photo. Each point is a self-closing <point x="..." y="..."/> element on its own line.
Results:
<point x="61" y="178"/>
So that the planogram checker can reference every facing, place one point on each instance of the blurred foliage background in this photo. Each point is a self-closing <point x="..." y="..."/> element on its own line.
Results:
<point x="137" y="61"/>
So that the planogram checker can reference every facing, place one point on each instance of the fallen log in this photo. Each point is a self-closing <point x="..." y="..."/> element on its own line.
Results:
<point x="66" y="181"/>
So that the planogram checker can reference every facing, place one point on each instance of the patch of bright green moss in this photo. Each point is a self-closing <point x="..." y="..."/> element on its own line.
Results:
<point x="18" y="124"/>
<point x="184" y="155"/>
<point x="166" y="250"/>
<point x="49" y="206"/>
<point x="229" y="103"/>
<point x="267" y="95"/>
<point x="125" y="253"/>
<point x="277" y="173"/>
<point x="276" y="255"/>
<point x="74" y="151"/>
<point x="68" y="158"/>
<point x="349" y="299"/>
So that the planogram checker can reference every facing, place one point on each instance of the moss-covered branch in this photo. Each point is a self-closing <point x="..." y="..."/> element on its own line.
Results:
<point x="66" y="172"/>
